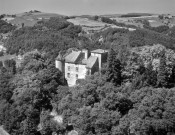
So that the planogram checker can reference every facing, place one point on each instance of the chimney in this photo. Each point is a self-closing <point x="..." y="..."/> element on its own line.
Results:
<point x="85" y="51"/>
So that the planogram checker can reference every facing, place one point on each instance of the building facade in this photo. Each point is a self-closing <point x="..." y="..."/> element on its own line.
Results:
<point x="79" y="64"/>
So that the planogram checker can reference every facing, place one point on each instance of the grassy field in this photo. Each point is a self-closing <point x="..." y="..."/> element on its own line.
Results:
<point x="128" y="21"/>
<point x="86" y="22"/>
<point x="38" y="15"/>
<point x="153" y="20"/>
<point x="89" y="25"/>
<point x="19" y="20"/>
<point x="30" y="19"/>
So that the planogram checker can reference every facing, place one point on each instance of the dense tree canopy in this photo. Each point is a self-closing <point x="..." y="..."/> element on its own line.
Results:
<point x="6" y="27"/>
<point x="143" y="37"/>
<point x="28" y="92"/>
<point x="130" y="96"/>
<point x="49" y="37"/>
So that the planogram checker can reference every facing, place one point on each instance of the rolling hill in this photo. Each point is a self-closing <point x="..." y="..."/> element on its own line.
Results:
<point x="32" y="17"/>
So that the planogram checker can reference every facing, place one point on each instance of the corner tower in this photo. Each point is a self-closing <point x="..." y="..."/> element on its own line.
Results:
<point x="60" y="62"/>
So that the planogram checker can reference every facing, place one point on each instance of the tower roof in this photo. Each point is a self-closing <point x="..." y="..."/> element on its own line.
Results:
<point x="60" y="57"/>
<point x="73" y="56"/>
<point x="91" y="61"/>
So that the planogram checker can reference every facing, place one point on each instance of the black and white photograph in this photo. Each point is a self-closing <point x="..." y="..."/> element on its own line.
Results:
<point x="87" y="67"/>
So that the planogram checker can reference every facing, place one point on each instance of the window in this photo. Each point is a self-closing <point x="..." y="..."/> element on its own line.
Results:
<point x="68" y="75"/>
<point x="76" y="76"/>
<point x="88" y="72"/>
<point x="68" y="68"/>
<point x="76" y="69"/>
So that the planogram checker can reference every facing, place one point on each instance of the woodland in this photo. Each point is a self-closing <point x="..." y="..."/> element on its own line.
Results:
<point x="130" y="96"/>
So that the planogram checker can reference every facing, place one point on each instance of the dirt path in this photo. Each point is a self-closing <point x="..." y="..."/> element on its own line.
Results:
<point x="3" y="132"/>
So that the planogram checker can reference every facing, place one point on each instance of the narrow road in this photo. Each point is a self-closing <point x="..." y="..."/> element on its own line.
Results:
<point x="3" y="132"/>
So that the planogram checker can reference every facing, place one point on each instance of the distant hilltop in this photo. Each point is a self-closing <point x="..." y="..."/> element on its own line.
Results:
<point x="37" y="13"/>
<point x="33" y="11"/>
<point x="29" y="18"/>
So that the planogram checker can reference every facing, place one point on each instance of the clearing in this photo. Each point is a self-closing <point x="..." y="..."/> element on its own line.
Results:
<point x="30" y="19"/>
<point x="90" y="25"/>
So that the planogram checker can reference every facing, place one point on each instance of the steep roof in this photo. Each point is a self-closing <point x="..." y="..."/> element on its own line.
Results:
<point x="91" y="61"/>
<point x="99" y="51"/>
<point x="78" y="58"/>
<point x="60" y="57"/>
<point x="72" y="57"/>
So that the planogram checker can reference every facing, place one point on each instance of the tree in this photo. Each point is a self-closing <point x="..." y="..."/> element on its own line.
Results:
<point x="160" y="17"/>
<point x="27" y="93"/>
<point x="160" y="29"/>
<point x="95" y="17"/>
<point x="153" y="112"/>
<point x="22" y="24"/>
<point x="150" y="76"/>
<point x="10" y="65"/>
<point x="172" y="77"/>
<point x="31" y="122"/>
<point x="146" y="23"/>
<point x="162" y="75"/>
<point x="114" y="69"/>
<point x="45" y="122"/>
<point x="136" y="38"/>
<point x="6" y="27"/>
<point x="2" y="16"/>
<point x="6" y="90"/>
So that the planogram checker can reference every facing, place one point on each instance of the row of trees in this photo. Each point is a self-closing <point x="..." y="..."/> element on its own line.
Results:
<point x="110" y="21"/>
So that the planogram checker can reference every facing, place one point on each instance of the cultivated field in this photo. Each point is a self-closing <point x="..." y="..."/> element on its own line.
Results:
<point x="90" y="25"/>
<point x="30" y="19"/>
<point x="19" y="20"/>
<point x="153" y="20"/>
<point x="86" y="22"/>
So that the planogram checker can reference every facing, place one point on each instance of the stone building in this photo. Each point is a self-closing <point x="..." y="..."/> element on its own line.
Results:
<point x="79" y="64"/>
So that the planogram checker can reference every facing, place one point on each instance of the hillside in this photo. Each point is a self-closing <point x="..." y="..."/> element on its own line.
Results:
<point x="143" y="37"/>
<point x="89" y="25"/>
<point x="35" y="15"/>
<point x="5" y="27"/>
<point x="18" y="21"/>
<point x="31" y="18"/>
<point x="50" y="37"/>
<point x="92" y="25"/>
